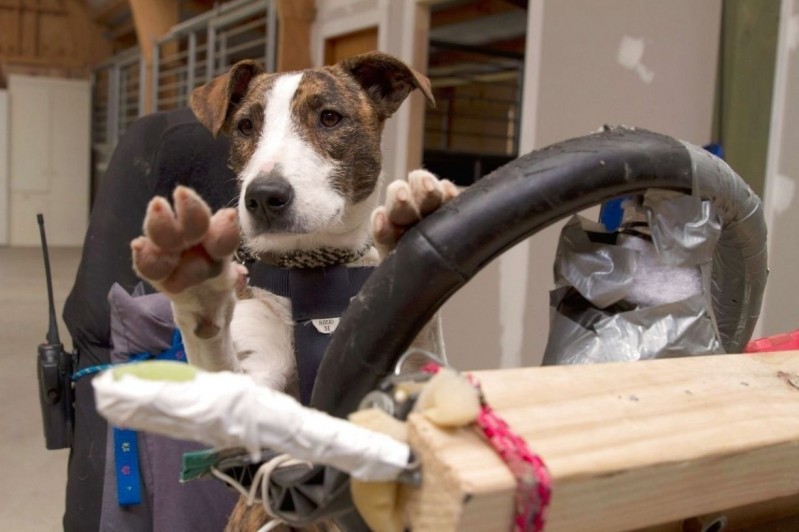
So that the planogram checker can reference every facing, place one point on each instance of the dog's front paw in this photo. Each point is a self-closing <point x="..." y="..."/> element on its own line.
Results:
<point x="407" y="202"/>
<point x="184" y="247"/>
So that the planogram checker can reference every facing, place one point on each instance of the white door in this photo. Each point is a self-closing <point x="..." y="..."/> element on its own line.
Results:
<point x="50" y="159"/>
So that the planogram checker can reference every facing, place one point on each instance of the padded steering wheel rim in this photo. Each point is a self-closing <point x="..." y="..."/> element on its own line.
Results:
<point x="445" y="250"/>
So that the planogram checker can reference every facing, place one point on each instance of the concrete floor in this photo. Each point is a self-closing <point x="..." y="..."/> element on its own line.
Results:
<point x="32" y="479"/>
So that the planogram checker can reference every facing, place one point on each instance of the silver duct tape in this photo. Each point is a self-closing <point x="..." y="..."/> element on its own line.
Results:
<point x="677" y="329"/>
<point x="684" y="229"/>
<point x="619" y="267"/>
<point x="629" y="307"/>
<point x="737" y="284"/>
<point x="652" y="276"/>
<point x="740" y="266"/>
<point x="602" y="273"/>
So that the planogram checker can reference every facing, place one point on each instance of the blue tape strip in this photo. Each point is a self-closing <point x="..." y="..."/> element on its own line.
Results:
<point x="126" y="460"/>
<point x="611" y="214"/>
<point x="176" y="351"/>
<point x="126" y="446"/>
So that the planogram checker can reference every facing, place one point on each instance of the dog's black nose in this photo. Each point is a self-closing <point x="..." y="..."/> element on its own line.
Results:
<point x="267" y="198"/>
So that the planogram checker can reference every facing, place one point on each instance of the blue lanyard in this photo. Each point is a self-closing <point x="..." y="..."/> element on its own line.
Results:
<point x="126" y="445"/>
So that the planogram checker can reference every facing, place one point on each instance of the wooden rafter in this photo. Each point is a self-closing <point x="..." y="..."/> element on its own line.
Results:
<point x="54" y="35"/>
<point x="294" y="38"/>
<point x="152" y="20"/>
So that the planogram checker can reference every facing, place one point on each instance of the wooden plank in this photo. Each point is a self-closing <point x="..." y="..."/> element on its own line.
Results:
<point x="295" y="18"/>
<point x="28" y="5"/>
<point x="9" y="31"/>
<point x="628" y="445"/>
<point x="85" y="36"/>
<point x="29" y="33"/>
<point x="54" y="38"/>
<point x="152" y="20"/>
<point x="54" y="33"/>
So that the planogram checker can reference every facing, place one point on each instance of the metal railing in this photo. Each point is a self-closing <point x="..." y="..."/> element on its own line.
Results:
<point x="191" y="54"/>
<point x="195" y="51"/>
<point x="117" y="100"/>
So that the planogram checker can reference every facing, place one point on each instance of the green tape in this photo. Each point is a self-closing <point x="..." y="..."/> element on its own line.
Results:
<point x="197" y="464"/>
<point x="157" y="370"/>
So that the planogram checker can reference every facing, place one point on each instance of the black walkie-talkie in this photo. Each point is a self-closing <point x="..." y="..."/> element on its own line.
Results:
<point x="54" y="368"/>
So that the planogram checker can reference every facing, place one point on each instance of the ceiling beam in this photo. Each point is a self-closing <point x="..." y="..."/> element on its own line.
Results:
<point x="294" y="38"/>
<point x="152" y="20"/>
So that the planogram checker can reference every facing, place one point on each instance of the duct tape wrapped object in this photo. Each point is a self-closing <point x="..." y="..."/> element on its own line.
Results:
<point x="225" y="409"/>
<point x="639" y="293"/>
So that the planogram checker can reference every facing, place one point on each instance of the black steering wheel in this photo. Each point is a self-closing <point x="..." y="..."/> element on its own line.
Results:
<point x="444" y="251"/>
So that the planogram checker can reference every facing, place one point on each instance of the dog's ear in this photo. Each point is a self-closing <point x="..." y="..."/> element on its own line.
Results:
<point x="386" y="80"/>
<point x="214" y="102"/>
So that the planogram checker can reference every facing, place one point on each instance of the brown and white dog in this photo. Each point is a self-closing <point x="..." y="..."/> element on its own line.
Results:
<point x="306" y="149"/>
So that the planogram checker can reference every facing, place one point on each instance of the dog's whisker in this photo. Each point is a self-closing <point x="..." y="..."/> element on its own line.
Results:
<point x="233" y="202"/>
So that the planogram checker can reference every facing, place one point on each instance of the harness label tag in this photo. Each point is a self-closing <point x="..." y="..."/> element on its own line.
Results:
<point x="326" y="325"/>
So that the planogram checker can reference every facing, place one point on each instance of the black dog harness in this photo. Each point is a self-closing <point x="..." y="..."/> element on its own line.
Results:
<point x="319" y="296"/>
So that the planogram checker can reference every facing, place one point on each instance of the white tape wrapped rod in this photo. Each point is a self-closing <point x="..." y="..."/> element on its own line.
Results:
<point x="230" y="410"/>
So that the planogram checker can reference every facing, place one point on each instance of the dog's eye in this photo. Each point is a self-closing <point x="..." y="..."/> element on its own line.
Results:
<point x="245" y="126"/>
<point x="329" y="118"/>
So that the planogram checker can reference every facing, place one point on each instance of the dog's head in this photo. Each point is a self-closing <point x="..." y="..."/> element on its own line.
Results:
<point x="305" y="145"/>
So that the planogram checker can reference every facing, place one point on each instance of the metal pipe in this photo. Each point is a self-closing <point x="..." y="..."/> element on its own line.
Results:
<point x="222" y="55"/>
<point x="517" y="110"/>
<point x="113" y="106"/>
<point x="200" y="21"/>
<point x="234" y="16"/>
<point x="271" y="37"/>
<point x="154" y="80"/>
<point x="244" y="46"/>
<point x="122" y="102"/>
<point x="242" y="28"/>
<point x="165" y="72"/>
<point x="125" y="55"/>
<point x="142" y="85"/>
<point x="192" y="63"/>
<point x="210" y="42"/>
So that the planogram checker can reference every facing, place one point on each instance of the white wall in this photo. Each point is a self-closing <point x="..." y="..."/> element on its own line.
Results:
<point x="49" y="155"/>
<point x="4" y="167"/>
<point x="781" y="199"/>
<point x="645" y="63"/>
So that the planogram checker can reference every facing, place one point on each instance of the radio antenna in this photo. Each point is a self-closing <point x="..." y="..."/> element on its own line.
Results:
<point x="52" y="330"/>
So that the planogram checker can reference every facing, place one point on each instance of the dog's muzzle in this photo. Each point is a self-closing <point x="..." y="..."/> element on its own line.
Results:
<point x="268" y="199"/>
